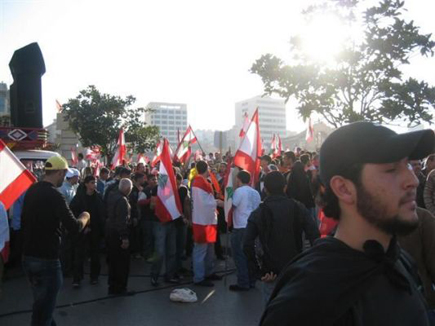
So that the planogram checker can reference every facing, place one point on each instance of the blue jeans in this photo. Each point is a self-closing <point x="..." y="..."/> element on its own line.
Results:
<point x="243" y="279"/>
<point x="202" y="258"/>
<point x="45" y="277"/>
<point x="164" y="248"/>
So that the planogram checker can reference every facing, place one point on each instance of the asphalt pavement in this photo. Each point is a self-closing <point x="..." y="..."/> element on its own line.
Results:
<point x="90" y="304"/>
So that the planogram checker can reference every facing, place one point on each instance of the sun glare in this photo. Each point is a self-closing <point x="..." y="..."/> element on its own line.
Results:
<point x="323" y="38"/>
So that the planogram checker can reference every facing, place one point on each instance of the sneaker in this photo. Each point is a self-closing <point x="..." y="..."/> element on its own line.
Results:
<point x="183" y="295"/>
<point x="237" y="288"/>
<point x="214" y="277"/>
<point x="154" y="281"/>
<point x="76" y="284"/>
<point x="205" y="283"/>
<point x="94" y="281"/>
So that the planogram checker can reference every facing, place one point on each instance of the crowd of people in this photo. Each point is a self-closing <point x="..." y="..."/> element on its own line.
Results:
<point x="360" y="180"/>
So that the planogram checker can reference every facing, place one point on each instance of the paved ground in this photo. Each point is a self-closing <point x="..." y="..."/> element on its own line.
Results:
<point x="90" y="304"/>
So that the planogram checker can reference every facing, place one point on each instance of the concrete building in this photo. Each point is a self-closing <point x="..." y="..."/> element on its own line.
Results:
<point x="169" y="117"/>
<point x="5" y="109"/>
<point x="272" y="117"/>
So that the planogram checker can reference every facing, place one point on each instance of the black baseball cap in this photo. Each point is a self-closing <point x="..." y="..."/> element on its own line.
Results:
<point x="365" y="142"/>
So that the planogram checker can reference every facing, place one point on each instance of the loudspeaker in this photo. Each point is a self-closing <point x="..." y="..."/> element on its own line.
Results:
<point x="27" y="66"/>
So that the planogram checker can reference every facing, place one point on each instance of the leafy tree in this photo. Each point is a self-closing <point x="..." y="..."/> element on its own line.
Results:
<point x="366" y="82"/>
<point x="97" y="118"/>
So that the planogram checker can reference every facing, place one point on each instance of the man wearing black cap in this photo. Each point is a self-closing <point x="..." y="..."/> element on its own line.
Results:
<point x="360" y="276"/>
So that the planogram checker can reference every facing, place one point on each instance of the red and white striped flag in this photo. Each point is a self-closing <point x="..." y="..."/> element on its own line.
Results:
<point x="183" y="150"/>
<point x="168" y="205"/>
<point x="141" y="158"/>
<point x="74" y="158"/>
<point x="59" y="106"/>
<point x="250" y="150"/>
<point x="245" y="125"/>
<point x="119" y="156"/>
<point x="15" y="178"/>
<point x="157" y="154"/>
<point x="276" y="146"/>
<point x="310" y="131"/>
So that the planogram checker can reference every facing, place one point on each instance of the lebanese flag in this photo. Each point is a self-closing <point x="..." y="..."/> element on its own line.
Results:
<point x="229" y="192"/>
<point x="15" y="178"/>
<point x="204" y="217"/>
<point x="248" y="155"/>
<point x="119" y="157"/>
<point x="157" y="154"/>
<point x="168" y="205"/>
<point x="93" y="153"/>
<point x="74" y="158"/>
<point x="276" y="146"/>
<point x="141" y="158"/>
<point x="245" y="125"/>
<point x="183" y="150"/>
<point x="310" y="131"/>
<point x="97" y="165"/>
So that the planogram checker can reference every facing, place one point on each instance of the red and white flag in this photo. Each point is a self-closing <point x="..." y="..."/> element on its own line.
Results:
<point x="97" y="165"/>
<point x="229" y="192"/>
<point x="59" y="106"/>
<point x="310" y="131"/>
<point x="276" y="146"/>
<point x="93" y="153"/>
<point x="204" y="216"/>
<point x="245" y="125"/>
<point x="248" y="155"/>
<point x="157" y="154"/>
<point x="15" y="178"/>
<point x="74" y="158"/>
<point x="183" y="150"/>
<point x="118" y="158"/>
<point x="168" y="205"/>
<point x="141" y="158"/>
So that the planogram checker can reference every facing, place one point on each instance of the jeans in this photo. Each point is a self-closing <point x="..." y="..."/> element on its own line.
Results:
<point x="202" y="258"/>
<point x="45" y="277"/>
<point x="243" y="279"/>
<point x="165" y="248"/>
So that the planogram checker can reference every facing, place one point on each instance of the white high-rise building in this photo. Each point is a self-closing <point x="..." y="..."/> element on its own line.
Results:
<point x="271" y="115"/>
<point x="170" y="118"/>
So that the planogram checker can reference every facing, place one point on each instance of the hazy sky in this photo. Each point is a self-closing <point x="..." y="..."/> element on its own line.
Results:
<point x="193" y="52"/>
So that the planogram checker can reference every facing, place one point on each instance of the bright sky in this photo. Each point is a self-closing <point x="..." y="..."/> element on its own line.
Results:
<point x="193" y="52"/>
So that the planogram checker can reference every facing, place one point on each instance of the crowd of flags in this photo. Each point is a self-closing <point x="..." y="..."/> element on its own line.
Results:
<point x="16" y="178"/>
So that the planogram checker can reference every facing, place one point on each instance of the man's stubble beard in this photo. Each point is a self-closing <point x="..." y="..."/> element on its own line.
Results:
<point x="375" y="212"/>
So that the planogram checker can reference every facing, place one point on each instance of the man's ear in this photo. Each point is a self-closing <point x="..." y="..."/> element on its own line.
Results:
<point x="344" y="189"/>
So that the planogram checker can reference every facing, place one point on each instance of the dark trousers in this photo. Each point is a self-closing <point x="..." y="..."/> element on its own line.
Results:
<point x="86" y="242"/>
<point x="181" y="231"/>
<point x="16" y="246"/>
<point x="135" y="239"/>
<point x="119" y="263"/>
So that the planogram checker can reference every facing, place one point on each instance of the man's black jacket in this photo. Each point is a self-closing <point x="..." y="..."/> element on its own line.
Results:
<point x="278" y="223"/>
<point x="333" y="284"/>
